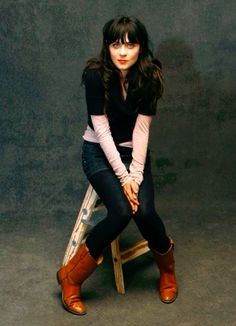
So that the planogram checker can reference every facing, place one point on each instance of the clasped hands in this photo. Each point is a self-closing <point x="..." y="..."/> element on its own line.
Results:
<point x="131" y="189"/>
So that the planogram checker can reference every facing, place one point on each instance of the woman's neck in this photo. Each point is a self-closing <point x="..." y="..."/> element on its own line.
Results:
<point x="123" y="74"/>
<point x="124" y="87"/>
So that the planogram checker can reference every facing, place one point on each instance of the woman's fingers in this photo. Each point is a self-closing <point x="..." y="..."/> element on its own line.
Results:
<point x="131" y="196"/>
<point x="134" y="206"/>
<point x="135" y="187"/>
<point x="131" y="189"/>
<point x="130" y="192"/>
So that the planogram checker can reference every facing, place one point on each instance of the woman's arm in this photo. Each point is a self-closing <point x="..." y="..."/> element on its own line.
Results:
<point x="140" y="143"/>
<point x="104" y="137"/>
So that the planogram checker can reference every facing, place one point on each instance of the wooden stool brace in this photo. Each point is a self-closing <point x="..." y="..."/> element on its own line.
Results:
<point x="90" y="204"/>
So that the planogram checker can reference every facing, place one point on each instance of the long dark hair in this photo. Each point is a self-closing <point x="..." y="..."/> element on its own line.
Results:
<point x="144" y="77"/>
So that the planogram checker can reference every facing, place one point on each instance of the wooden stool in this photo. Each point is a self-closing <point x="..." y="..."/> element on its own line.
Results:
<point x="91" y="203"/>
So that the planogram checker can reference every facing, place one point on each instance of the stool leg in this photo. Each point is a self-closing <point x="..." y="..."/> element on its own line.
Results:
<point x="117" y="262"/>
<point x="81" y="224"/>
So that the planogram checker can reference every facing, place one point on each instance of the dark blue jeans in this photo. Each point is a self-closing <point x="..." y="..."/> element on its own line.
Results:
<point x="119" y="213"/>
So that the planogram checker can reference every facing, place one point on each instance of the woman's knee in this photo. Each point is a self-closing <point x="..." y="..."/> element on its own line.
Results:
<point x="121" y="211"/>
<point x="146" y="210"/>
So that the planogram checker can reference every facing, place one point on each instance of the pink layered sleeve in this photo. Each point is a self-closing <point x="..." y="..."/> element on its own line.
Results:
<point x="104" y="137"/>
<point x="140" y="144"/>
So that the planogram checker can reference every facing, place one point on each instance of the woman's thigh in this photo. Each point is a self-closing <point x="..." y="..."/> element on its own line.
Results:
<point x="146" y="193"/>
<point x="110" y="191"/>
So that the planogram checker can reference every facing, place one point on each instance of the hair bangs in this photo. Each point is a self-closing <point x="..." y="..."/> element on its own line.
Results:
<point x="120" y="31"/>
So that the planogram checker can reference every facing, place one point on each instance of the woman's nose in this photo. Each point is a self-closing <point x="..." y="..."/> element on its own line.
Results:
<point x="123" y="51"/>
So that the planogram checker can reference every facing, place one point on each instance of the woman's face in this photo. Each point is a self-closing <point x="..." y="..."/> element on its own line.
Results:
<point x="124" y="55"/>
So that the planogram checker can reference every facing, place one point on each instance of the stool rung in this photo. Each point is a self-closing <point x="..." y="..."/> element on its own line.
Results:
<point x="97" y="208"/>
<point x="87" y="222"/>
<point x="136" y="250"/>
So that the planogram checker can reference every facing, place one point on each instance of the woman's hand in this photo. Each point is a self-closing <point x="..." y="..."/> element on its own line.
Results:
<point x="131" y="189"/>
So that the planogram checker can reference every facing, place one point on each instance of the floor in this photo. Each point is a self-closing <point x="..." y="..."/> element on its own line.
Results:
<point x="33" y="242"/>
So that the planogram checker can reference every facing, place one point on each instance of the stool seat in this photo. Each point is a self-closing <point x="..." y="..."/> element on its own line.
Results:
<point x="90" y="204"/>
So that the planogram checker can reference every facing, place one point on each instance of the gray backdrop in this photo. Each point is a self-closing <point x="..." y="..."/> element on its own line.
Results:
<point x="43" y="48"/>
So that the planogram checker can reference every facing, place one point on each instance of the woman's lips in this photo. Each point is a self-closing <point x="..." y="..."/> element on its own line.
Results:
<point x="122" y="61"/>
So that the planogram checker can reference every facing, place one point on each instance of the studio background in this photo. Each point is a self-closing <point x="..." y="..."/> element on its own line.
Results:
<point x="44" y="46"/>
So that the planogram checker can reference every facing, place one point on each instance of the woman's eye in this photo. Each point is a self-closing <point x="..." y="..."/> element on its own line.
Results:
<point x="116" y="45"/>
<point x="130" y="45"/>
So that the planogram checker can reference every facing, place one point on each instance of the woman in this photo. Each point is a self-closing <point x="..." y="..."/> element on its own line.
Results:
<point x="122" y="88"/>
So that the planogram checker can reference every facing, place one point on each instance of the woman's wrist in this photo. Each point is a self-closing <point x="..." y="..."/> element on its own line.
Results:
<point x="130" y="178"/>
<point x="137" y="177"/>
<point x="125" y="180"/>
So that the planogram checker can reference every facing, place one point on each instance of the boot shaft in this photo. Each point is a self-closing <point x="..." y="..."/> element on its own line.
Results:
<point x="165" y="261"/>
<point x="79" y="268"/>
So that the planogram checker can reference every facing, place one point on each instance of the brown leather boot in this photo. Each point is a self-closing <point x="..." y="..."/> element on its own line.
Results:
<point x="71" y="277"/>
<point x="166" y="263"/>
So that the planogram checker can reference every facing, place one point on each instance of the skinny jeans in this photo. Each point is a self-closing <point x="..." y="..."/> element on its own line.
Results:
<point x="119" y="213"/>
